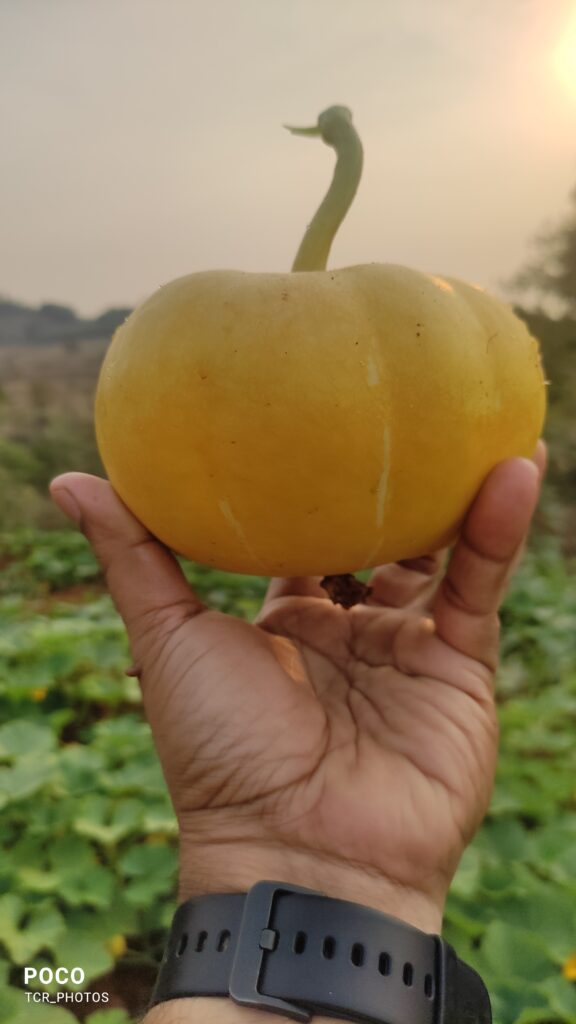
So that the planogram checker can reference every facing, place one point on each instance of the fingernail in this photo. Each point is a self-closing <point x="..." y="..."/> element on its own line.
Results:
<point x="67" y="504"/>
<point x="533" y="467"/>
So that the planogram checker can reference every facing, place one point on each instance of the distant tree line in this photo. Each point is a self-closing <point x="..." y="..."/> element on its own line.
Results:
<point x="50" y="323"/>
<point x="551" y="273"/>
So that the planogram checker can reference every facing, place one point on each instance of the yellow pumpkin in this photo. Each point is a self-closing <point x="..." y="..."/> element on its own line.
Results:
<point x="314" y="422"/>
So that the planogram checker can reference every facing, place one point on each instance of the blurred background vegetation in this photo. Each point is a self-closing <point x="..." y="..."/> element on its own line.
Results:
<point x="88" y="864"/>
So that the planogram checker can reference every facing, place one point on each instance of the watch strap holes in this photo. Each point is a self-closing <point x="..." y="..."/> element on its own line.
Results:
<point x="182" y="944"/>
<point x="429" y="986"/>
<point x="385" y="964"/>
<point x="299" y="942"/>
<point x="223" y="941"/>
<point x="201" y="941"/>
<point x="408" y="975"/>
<point x="357" y="954"/>
<point x="329" y="948"/>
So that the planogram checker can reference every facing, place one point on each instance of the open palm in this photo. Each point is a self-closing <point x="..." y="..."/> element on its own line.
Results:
<point x="352" y="751"/>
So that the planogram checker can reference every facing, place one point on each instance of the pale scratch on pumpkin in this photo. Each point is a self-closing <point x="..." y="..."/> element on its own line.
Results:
<point x="373" y="374"/>
<point x="236" y="526"/>
<point x="372" y="368"/>
<point x="381" y="494"/>
<point x="382" y="489"/>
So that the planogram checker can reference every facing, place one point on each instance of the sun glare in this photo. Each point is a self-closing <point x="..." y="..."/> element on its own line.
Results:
<point x="564" y="57"/>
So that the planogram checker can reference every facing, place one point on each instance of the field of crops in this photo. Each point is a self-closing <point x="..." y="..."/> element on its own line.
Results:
<point x="88" y="868"/>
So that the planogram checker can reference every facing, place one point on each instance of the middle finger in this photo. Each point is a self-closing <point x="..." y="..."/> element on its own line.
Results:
<point x="410" y="583"/>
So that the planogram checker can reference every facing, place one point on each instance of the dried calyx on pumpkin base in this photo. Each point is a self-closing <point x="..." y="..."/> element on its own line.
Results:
<point x="346" y="590"/>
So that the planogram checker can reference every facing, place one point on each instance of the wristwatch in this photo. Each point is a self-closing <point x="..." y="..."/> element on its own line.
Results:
<point x="297" y="952"/>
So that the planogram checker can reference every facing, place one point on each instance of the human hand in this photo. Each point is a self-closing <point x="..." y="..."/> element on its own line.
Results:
<point x="347" y="751"/>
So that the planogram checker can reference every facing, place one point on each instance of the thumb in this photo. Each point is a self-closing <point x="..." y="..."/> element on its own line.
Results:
<point x="144" y="579"/>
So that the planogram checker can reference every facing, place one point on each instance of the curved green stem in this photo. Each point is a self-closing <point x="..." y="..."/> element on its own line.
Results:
<point x="336" y="129"/>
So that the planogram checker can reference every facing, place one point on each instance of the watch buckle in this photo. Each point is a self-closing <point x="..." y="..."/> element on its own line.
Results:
<point x="254" y="940"/>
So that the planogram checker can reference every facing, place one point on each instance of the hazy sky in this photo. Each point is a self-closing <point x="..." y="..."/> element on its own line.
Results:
<point x="141" y="139"/>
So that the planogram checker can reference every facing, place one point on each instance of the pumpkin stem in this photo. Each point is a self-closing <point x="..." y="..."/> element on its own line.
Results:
<point x="336" y="129"/>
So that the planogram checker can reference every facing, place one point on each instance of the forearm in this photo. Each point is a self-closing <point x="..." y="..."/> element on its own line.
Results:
<point x="212" y="867"/>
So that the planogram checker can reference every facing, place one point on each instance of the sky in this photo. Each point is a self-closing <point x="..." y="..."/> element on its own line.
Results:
<point x="141" y="140"/>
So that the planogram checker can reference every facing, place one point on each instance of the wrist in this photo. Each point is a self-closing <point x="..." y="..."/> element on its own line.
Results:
<point x="213" y="1011"/>
<point x="218" y="868"/>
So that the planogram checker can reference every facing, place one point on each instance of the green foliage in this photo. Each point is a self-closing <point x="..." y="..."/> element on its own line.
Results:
<point x="558" y="342"/>
<point x="79" y="782"/>
<point x="34" y="563"/>
<point x="88" y="861"/>
<point x="45" y="423"/>
<point x="18" y="461"/>
<point x="63" y="442"/>
<point x="512" y="906"/>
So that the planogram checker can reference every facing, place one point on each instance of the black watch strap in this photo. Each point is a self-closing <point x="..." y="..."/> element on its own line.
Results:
<point x="297" y="952"/>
